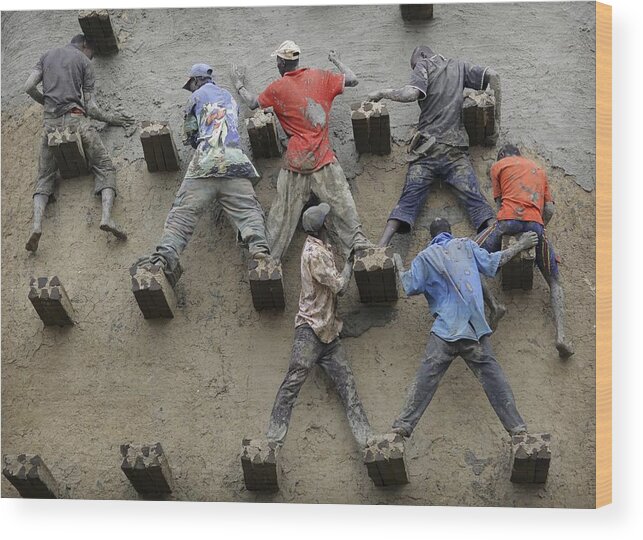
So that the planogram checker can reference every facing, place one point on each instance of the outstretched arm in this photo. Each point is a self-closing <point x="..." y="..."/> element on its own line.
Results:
<point x="491" y="78"/>
<point x="548" y="212"/>
<point x="349" y="76"/>
<point x="238" y="74"/>
<point x="527" y="240"/>
<point x="406" y="94"/>
<point x="95" y="112"/>
<point x="31" y="86"/>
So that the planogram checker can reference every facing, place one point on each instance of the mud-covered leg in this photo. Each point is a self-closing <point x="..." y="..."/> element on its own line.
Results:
<point x="497" y="310"/>
<point x="336" y="366"/>
<point x="331" y="186"/>
<point x="548" y="265"/>
<point x="437" y="358"/>
<point x="563" y="344"/>
<point x="107" y="223"/>
<point x="419" y="177"/>
<point x="191" y="199"/>
<point x="480" y="359"/>
<point x="47" y="172"/>
<point x="293" y="191"/>
<point x="306" y="350"/>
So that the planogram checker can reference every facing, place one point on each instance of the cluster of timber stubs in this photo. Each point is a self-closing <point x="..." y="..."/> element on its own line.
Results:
<point x="147" y="468"/>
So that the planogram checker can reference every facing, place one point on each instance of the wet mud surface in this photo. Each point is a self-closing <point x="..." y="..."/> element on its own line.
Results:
<point x="202" y="382"/>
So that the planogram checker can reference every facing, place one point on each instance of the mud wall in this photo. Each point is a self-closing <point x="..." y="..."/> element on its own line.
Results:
<point x="203" y="381"/>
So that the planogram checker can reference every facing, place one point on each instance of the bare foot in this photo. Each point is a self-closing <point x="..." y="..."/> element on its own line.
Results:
<point x="497" y="312"/>
<point x="32" y="243"/>
<point x="110" y="226"/>
<point x="565" y="349"/>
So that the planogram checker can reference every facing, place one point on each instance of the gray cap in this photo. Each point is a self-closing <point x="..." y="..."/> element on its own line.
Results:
<point x="314" y="217"/>
<point x="199" y="70"/>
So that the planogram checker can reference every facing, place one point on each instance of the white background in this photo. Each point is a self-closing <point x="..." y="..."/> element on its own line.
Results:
<point x="77" y="519"/>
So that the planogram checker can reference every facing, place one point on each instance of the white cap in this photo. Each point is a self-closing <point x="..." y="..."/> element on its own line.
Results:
<point x="288" y="50"/>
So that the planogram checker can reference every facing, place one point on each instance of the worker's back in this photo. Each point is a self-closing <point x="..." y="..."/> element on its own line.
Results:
<point x="66" y="73"/>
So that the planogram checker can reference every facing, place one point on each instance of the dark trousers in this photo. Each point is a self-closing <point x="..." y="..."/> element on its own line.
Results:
<point x="480" y="358"/>
<point x="307" y="351"/>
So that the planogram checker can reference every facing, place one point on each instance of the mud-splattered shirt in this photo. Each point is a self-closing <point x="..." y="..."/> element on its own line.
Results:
<point x="447" y="272"/>
<point x="320" y="283"/>
<point x="441" y="83"/>
<point x="523" y="187"/>
<point x="66" y="74"/>
<point x="302" y="100"/>
<point x="211" y="126"/>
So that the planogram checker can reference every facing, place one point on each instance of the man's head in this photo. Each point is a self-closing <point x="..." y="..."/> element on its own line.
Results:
<point x="287" y="57"/>
<point x="199" y="75"/>
<point x="508" y="150"/>
<point x="439" y="225"/>
<point x="313" y="219"/>
<point x="84" y="45"/>
<point x="419" y="53"/>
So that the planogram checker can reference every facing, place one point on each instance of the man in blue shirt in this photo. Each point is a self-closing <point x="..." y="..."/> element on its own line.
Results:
<point x="447" y="272"/>
<point x="219" y="171"/>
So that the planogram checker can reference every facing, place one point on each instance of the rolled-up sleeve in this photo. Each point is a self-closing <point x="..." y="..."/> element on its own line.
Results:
<point x="322" y="269"/>
<point x="416" y="278"/>
<point x="473" y="76"/>
<point x="486" y="262"/>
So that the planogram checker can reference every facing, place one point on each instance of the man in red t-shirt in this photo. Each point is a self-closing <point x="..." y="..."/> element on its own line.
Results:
<point x="521" y="191"/>
<point x="302" y="100"/>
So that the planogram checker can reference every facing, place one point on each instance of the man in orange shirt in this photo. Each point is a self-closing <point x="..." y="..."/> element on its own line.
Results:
<point x="302" y="100"/>
<point x="521" y="190"/>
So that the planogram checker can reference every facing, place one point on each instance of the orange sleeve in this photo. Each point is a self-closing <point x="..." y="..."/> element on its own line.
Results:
<point x="495" y="180"/>
<point x="265" y="99"/>
<point x="334" y="84"/>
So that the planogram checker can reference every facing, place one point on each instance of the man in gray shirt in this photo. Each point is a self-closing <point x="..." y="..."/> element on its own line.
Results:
<point x="67" y="96"/>
<point x="440" y="149"/>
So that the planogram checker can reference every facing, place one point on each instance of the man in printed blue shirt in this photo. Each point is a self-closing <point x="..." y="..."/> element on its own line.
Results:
<point x="219" y="171"/>
<point x="448" y="272"/>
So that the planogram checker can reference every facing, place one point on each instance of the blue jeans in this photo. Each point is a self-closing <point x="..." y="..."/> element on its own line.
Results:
<point x="442" y="163"/>
<point x="491" y="240"/>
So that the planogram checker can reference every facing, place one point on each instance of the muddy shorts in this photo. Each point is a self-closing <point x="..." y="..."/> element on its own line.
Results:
<point x="98" y="160"/>
<point x="491" y="240"/>
<point x="450" y="165"/>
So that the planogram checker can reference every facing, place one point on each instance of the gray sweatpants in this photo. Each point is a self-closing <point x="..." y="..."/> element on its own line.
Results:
<point x="239" y="202"/>
<point x="480" y="358"/>
<point x="293" y="191"/>
<point x="307" y="351"/>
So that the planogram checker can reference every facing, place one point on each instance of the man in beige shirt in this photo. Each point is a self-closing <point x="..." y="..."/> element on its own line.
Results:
<point x="317" y="331"/>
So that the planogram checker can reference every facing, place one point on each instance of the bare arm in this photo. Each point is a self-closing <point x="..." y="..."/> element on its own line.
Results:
<point x="527" y="240"/>
<point x="31" y="86"/>
<point x="238" y="74"/>
<point x="406" y="94"/>
<point x="345" y="278"/>
<point x="350" y="78"/>
<point x="498" y="202"/>
<point x="95" y="112"/>
<point x="548" y="212"/>
<point x="492" y="79"/>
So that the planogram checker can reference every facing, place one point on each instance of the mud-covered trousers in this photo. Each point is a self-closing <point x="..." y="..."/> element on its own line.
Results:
<point x="293" y="191"/>
<point x="480" y="358"/>
<point x="446" y="163"/>
<point x="307" y="351"/>
<point x="238" y="200"/>
<point x="98" y="159"/>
